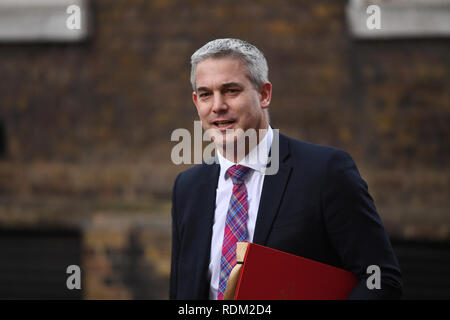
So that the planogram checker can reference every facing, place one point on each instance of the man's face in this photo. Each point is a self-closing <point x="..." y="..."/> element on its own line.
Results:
<point x="227" y="100"/>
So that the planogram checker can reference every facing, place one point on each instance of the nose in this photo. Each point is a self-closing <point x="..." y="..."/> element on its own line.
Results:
<point x="219" y="103"/>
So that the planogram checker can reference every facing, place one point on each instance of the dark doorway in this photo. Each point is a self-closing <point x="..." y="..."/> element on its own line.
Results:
<point x="425" y="268"/>
<point x="33" y="263"/>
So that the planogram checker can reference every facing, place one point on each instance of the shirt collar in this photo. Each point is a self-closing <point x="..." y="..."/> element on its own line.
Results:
<point x="256" y="159"/>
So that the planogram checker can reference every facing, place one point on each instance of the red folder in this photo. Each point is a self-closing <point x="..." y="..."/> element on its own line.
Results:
<point x="269" y="274"/>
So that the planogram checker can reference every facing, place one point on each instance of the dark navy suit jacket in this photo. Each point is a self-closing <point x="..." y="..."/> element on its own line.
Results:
<point x="317" y="206"/>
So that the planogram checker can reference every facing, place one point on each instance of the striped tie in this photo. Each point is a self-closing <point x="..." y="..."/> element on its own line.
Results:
<point x="235" y="226"/>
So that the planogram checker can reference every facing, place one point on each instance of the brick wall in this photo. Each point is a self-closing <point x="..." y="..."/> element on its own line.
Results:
<point x="88" y="125"/>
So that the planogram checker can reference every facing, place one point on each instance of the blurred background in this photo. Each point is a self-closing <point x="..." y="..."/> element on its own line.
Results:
<point x="86" y="117"/>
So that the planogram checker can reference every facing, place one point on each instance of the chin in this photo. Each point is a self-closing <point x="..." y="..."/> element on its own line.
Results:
<point x="222" y="140"/>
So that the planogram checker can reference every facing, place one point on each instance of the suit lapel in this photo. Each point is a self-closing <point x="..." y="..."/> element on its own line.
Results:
<point x="272" y="194"/>
<point x="206" y="200"/>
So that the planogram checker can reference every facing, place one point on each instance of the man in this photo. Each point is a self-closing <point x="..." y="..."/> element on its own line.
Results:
<point x="316" y="205"/>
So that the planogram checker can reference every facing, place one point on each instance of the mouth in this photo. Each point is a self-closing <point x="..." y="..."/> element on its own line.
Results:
<point x="223" y="124"/>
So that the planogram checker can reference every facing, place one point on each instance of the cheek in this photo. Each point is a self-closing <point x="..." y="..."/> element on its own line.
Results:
<point x="249" y="113"/>
<point x="202" y="110"/>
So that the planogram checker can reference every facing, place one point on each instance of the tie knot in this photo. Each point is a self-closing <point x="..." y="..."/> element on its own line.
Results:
<point x="237" y="173"/>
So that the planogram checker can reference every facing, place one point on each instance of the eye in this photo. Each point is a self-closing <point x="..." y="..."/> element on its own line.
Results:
<point x="204" y="94"/>
<point x="232" y="90"/>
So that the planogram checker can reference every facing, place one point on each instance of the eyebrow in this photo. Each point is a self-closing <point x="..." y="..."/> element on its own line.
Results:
<point x="231" y="84"/>
<point x="224" y="86"/>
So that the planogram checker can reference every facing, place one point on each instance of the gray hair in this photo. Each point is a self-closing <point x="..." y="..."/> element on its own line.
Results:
<point x="257" y="69"/>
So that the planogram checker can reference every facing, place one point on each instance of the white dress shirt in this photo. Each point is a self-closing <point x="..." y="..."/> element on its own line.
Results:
<point x="256" y="160"/>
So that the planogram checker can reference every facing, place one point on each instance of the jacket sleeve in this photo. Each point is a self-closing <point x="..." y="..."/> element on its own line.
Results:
<point x="356" y="231"/>
<point x="175" y="245"/>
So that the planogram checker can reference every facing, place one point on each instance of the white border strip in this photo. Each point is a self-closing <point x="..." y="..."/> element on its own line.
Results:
<point x="41" y="20"/>
<point x="400" y="18"/>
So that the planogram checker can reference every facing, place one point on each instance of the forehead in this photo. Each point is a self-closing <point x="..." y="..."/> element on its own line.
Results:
<point x="217" y="71"/>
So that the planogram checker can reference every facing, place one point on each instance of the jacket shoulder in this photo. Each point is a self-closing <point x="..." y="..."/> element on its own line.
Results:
<point x="315" y="152"/>
<point x="195" y="174"/>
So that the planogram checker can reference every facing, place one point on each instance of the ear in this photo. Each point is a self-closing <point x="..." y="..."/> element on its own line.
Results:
<point x="195" y="99"/>
<point x="265" y="95"/>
